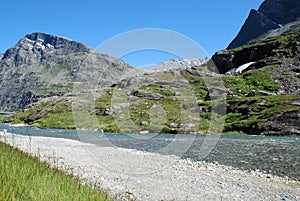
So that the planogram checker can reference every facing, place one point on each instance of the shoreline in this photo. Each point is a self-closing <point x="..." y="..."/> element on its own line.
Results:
<point x="125" y="173"/>
<point x="195" y="133"/>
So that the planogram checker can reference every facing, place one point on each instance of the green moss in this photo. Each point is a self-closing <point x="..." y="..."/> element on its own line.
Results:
<point x="251" y="82"/>
<point x="232" y="117"/>
<point x="260" y="79"/>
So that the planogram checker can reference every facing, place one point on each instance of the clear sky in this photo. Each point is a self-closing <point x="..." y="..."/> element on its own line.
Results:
<point x="211" y="23"/>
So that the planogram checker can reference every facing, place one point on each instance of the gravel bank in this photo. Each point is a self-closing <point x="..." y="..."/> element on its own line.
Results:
<point x="125" y="173"/>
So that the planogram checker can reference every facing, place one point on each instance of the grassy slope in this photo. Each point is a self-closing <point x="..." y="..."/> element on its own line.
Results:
<point x="23" y="177"/>
<point x="249" y="84"/>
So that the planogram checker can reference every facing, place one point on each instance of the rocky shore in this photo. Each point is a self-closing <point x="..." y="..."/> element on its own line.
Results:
<point x="128" y="174"/>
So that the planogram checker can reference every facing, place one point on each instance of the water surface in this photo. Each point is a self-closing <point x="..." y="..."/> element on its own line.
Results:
<point x="276" y="155"/>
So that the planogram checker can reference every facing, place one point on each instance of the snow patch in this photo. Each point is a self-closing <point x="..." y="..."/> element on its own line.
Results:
<point x="39" y="45"/>
<point x="243" y="67"/>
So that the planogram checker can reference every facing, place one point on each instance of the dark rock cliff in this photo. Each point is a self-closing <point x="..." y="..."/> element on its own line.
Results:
<point x="271" y="16"/>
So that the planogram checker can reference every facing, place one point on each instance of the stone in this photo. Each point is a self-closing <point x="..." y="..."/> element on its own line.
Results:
<point x="176" y="93"/>
<point x="144" y="123"/>
<point x="174" y="125"/>
<point x="144" y="132"/>
<point x="37" y="116"/>
<point x="267" y="93"/>
<point x="296" y="102"/>
<point x="146" y="94"/>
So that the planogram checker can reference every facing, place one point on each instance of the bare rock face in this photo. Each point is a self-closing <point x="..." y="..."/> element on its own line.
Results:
<point x="286" y="123"/>
<point x="256" y="24"/>
<point x="271" y="16"/>
<point x="281" y="11"/>
<point x="42" y="65"/>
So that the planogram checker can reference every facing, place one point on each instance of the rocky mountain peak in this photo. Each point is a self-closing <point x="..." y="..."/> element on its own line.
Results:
<point x="271" y="15"/>
<point x="40" y="44"/>
<point x="44" y="41"/>
<point x="41" y="65"/>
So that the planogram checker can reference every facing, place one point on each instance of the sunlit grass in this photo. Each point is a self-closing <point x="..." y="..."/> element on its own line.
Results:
<point x="23" y="177"/>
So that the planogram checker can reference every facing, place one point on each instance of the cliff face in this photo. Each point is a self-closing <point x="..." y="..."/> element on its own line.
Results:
<point x="42" y="65"/>
<point x="281" y="11"/>
<point x="273" y="18"/>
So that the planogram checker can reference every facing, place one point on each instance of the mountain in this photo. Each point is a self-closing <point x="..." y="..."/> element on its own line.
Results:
<point x="273" y="18"/>
<point x="41" y="65"/>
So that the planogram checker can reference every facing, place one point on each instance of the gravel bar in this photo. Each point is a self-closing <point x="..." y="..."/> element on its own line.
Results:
<point x="127" y="174"/>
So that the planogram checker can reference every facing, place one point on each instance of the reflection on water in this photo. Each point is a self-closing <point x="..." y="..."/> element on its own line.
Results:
<point x="276" y="155"/>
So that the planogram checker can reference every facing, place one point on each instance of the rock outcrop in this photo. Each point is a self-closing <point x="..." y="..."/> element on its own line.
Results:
<point x="42" y="65"/>
<point x="286" y="123"/>
<point x="273" y="18"/>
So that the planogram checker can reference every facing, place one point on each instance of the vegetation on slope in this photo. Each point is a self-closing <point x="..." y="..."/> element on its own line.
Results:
<point x="247" y="107"/>
<point x="23" y="177"/>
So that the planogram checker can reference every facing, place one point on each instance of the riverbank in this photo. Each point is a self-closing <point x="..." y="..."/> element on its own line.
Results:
<point x="125" y="173"/>
<point x="25" y="178"/>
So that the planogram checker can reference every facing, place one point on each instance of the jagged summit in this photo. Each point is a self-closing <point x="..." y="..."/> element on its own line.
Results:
<point x="55" y="42"/>
<point x="42" y="44"/>
<point x="273" y="18"/>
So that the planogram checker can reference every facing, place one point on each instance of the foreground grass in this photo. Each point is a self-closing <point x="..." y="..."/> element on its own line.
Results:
<point x="23" y="177"/>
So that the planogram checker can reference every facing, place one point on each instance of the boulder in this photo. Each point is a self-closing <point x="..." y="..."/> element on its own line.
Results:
<point x="38" y="115"/>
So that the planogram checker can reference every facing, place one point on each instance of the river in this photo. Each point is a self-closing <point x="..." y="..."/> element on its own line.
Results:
<point x="275" y="155"/>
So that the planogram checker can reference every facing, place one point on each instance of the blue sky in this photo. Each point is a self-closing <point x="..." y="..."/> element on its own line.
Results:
<point x="210" y="23"/>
